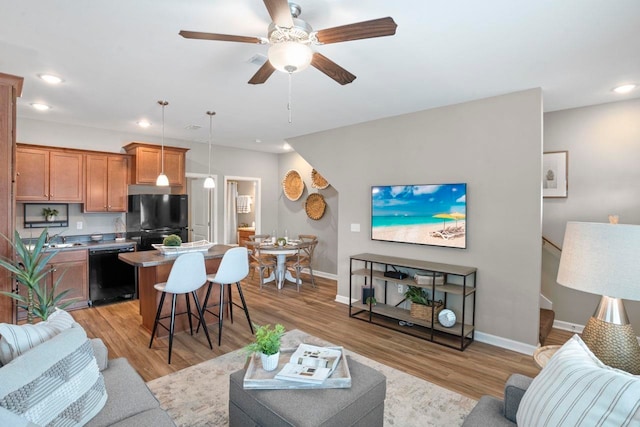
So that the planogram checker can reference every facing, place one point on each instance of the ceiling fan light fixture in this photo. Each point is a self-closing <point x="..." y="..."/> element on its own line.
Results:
<point x="290" y="56"/>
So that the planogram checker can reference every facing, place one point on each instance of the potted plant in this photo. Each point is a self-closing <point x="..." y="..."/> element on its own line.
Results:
<point x="30" y="267"/>
<point x="49" y="214"/>
<point x="267" y="344"/>
<point x="421" y="305"/>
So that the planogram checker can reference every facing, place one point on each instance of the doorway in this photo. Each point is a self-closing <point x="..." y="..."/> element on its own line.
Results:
<point x="203" y="208"/>
<point x="241" y="206"/>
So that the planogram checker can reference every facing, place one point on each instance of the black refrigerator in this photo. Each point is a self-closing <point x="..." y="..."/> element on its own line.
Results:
<point x="152" y="217"/>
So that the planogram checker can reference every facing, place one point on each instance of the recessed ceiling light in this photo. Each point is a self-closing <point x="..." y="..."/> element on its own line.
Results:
<point x="40" y="107"/>
<point x="625" y="88"/>
<point x="144" y="123"/>
<point x="50" y="78"/>
<point x="192" y="127"/>
<point x="258" y="141"/>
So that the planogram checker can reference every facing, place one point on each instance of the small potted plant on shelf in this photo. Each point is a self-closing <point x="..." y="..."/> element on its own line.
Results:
<point x="30" y="267"/>
<point x="421" y="305"/>
<point x="267" y="344"/>
<point x="371" y="300"/>
<point x="49" y="214"/>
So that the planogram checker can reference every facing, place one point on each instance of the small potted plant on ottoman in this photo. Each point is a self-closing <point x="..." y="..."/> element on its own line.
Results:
<point x="267" y="344"/>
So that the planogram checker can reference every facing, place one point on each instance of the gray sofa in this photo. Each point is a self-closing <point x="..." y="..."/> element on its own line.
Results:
<point x="60" y="377"/>
<point x="492" y="412"/>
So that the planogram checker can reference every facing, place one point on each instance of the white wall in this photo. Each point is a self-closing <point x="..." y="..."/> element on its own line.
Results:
<point x="603" y="142"/>
<point x="293" y="216"/>
<point x="495" y="146"/>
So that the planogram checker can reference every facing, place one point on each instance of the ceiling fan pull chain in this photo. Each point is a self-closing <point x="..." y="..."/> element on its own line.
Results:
<point x="289" y="106"/>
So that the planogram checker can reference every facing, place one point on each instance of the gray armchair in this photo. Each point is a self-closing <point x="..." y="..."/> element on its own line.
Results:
<point x="492" y="412"/>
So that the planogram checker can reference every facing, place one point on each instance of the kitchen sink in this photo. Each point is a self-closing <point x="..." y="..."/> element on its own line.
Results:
<point x="65" y="245"/>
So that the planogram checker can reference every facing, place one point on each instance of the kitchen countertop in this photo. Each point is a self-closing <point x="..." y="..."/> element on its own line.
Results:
<point x="155" y="258"/>
<point x="103" y="244"/>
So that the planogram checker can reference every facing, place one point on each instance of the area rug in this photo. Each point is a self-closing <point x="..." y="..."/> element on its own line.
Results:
<point x="199" y="395"/>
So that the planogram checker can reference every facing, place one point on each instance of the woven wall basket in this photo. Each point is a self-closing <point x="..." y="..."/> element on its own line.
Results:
<point x="318" y="181"/>
<point x="293" y="185"/>
<point x="315" y="206"/>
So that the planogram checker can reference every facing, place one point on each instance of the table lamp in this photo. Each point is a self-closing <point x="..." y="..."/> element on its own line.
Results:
<point x="604" y="259"/>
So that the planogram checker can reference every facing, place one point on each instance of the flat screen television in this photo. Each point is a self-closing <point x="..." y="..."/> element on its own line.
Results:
<point x="428" y="214"/>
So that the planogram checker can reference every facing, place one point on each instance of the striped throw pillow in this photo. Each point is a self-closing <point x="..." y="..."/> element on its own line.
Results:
<point x="577" y="389"/>
<point x="16" y="339"/>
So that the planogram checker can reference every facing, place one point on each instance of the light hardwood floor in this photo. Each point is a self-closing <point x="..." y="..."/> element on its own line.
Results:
<point x="478" y="370"/>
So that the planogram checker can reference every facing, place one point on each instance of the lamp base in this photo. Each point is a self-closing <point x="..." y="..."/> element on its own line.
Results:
<point x="615" y="345"/>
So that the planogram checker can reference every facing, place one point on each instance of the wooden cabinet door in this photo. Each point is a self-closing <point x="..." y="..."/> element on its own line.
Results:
<point x="32" y="174"/>
<point x="174" y="167"/>
<point x="97" y="179"/>
<point x="118" y="180"/>
<point x="148" y="165"/>
<point x="72" y="266"/>
<point x="66" y="177"/>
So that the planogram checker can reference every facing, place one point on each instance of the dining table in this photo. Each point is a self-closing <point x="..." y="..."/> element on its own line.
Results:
<point x="281" y="252"/>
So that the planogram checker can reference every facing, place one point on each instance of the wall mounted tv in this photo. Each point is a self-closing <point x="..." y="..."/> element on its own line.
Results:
<point x="432" y="214"/>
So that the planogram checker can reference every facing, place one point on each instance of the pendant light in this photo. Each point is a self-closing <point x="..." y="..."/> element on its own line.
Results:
<point x="209" y="182"/>
<point x="162" y="180"/>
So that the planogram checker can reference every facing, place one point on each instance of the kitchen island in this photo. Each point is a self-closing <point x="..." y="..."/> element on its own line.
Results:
<point x="153" y="267"/>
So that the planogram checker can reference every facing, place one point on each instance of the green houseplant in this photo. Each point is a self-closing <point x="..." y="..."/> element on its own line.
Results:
<point x="30" y="268"/>
<point x="49" y="214"/>
<point x="421" y="306"/>
<point x="267" y="344"/>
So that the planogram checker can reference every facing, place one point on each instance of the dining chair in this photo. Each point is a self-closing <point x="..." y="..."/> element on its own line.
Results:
<point x="263" y="263"/>
<point x="187" y="274"/>
<point x="233" y="268"/>
<point x="303" y="259"/>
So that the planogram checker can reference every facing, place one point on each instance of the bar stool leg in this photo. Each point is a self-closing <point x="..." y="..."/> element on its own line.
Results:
<point x="172" y="325"/>
<point x="202" y="321"/>
<point x="230" y="302"/>
<point x="244" y="304"/>
<point x="206" y="301"/>
<point x="155" y="324"/>
<point x="186" y="297"/>
<point x="221" y="315"/>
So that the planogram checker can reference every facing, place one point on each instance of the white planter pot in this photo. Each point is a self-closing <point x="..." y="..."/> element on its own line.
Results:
<point x="51" y="218"/>
<point x="269" y="362"/>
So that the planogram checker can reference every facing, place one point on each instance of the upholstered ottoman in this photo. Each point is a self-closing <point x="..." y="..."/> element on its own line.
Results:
<point x="360" y="405"/>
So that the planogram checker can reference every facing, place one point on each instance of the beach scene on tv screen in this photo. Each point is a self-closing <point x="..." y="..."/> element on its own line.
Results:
<point x="420" y="214"/>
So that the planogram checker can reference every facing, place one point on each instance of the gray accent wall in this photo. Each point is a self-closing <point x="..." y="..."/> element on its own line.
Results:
<point x="495" y="146"/>
<point x="603" y="142"/>
<point x="293" y="217"/>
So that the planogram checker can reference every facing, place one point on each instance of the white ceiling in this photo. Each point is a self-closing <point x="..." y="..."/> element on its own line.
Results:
<point x="118" y="57"/>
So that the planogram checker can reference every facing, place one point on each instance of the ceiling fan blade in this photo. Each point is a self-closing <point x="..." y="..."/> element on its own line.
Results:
<point x="332" y="69"/>
<point x="262" y="74"/>
<point x="279" y="12"/>
<point x="219" y="37"/>
<point x="360" y="30"/>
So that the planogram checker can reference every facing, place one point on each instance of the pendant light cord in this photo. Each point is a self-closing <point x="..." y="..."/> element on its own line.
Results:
<point x="289" y="105"/>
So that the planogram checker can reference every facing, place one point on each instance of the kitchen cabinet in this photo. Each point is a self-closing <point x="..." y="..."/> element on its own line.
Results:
<point x="147" y="163"/>
<point x="107" y="180"/>
<point x="71" y="267"/>
<point x="44" y="174"/>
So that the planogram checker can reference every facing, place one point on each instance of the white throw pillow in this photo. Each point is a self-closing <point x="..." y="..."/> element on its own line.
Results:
<point x="16" y="339"/>
<point x="577" y="389"/>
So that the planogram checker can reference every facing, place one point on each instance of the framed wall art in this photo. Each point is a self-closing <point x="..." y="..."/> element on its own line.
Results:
<point x="554" y="174"/>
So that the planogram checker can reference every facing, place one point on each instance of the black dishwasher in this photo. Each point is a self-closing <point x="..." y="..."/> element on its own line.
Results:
<point x="110" y="279"/>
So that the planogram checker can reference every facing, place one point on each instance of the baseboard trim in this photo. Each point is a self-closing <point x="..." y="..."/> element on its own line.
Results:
<point x="505" y="343"/>
<point x="567" y="326"/>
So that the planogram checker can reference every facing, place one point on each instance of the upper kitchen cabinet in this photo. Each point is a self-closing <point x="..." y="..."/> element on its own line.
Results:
<point x="45" y="174"/>
<point x="107" y="180"/>
<point x="147" y="163"/>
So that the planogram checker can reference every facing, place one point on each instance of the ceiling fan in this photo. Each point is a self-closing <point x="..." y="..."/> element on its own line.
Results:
<point x="291" y="38"/>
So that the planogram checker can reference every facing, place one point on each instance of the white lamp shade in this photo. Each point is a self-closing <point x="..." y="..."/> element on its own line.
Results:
<point x="601" y="259"/>
<point x="290" y="57"/>
<point x="209" y="182"/>
<point x="162" y="180"/>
